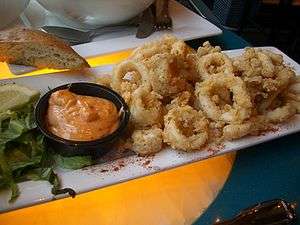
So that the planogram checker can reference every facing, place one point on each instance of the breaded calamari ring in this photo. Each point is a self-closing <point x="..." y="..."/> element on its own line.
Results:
<point x="281" y="113"/>
<point x="207" y="48"/>
<point x="277" y="59"/>
<point x="146" y="108"/>
<point x="283" y="80"/>
<point x="295" y="88"/>
<point x="147" y="50"/>
<point x="186" y="61"/>
<point x="164" y="76"/>
<point x="235" y="131"/>
<point x="252" y="126"/>
<point x="216" y="63"/>
<point x="185" y="129"/>
<point x="268" y="67"/>
<point x="238" y="111"/>
<point x="147" y="141"/>
<point x="183" y="98"/>
<point x="137" y="73"/>
<point x="296" y="104"/>
<point x="294" y="99"/>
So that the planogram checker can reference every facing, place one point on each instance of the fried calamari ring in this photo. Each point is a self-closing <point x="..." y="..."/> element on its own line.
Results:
<point x="252" y="126"/>
<point x="185" y="129"/>
<point x="147" y="50"/>
<point x="146" y="108"/>
<point x="128" y="76"/>
<point x="186" y="61"/>
<point x="293" y="95"/>
<point x="147" y="141"/>
<point x="207" y="48"/>
<point x="238" y="111"/>
<point x="255" y="62"/>
<point x="277" y="59"/>
<point x="163" y="75"/>
<point x="183" y="98"/>
<point x="268" y="67"/>
<point x="214" y="64"/>
<point x="275" y="87"/>
<point x="281" y="113"/>
<point x="296" y="104"/>
<point x="235" y="131"/>
<point x="295" y="88"/>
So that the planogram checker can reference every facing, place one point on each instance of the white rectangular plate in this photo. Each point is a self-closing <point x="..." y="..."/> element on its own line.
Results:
<point x="129" y="167"/>
<point x="187" y="25"/>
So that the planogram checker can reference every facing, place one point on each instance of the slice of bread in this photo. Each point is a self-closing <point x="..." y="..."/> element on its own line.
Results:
<point x="24" y="46"/>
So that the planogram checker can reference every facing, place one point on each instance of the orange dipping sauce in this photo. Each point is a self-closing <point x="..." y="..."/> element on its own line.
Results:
<point x="81" y="118"/>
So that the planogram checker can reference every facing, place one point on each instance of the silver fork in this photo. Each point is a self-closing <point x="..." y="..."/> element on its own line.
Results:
<point x="163" y="19"/>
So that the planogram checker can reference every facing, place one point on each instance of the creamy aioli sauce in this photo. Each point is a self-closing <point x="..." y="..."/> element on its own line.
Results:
<point x="81" y="118"/>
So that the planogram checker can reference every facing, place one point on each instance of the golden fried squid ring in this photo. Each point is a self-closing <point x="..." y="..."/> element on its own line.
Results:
<point x="293" y="95"/>
<point x="256" y="62"/>
<point x="252" y="126"/>
<point x="235" y="131"/>
<point x="268" y="67"/>
<point x="147" y="50"/>
<point x="186" y="61"/>
<point x="207" y="48"/>
<point x="185" y="129"/>
<point x="296" y="104"/>
<point x="295" y="88"/>
<point x="283" y="79"/>
<point x="277" y="59"/>
<point x="281" y="113"/>
<point x="281" y="107"/>
<point x="136" y="72"/>
<point x="146" y="108"/>
<point x="163" y="75"/>
<point x="147" y="141"/>
<point x="183" y="98"/>
<point x="216" y="63"/>
<point x="238" y="111"/>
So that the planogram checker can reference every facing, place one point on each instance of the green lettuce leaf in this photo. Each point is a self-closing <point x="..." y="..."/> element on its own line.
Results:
<point x="75" y="162"/>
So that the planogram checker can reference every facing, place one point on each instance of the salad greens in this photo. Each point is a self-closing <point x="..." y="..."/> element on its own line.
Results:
<point x="23" y="153"/>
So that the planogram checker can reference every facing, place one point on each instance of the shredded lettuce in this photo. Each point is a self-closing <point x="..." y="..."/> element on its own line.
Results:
<point x="23" y="154"/>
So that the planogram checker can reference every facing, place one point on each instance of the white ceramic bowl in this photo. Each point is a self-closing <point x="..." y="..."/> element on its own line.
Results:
<point x="90" y="14"/>
<point x="10" y="10"/>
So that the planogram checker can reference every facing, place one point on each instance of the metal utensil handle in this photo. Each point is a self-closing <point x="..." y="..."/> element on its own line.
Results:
<point x="274" y="212"/>
<point x="107" y="29"/>
<point x="63" y="32"/>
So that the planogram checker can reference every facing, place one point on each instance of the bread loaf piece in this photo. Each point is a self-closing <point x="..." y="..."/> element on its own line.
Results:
<point x="24" y="46"/>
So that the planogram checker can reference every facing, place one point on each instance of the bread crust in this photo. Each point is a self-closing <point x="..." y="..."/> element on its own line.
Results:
<point x="30" y="47"/>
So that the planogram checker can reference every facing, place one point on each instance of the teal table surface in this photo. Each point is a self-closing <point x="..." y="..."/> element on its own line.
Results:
<point x="263" y="172"/>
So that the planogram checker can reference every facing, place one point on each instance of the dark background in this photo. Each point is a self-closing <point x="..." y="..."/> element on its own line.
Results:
<point x="260" y="22"/>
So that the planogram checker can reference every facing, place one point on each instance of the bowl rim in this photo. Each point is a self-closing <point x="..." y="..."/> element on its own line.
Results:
<point x="123" y="122"/>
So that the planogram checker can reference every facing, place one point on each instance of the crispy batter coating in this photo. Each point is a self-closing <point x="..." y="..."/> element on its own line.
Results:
<point x="220" y="109"/>
<point x="146" y="108"/>
<point x="147" y="141"/>
<point x="185" y="128"/>
<point x="187" y="99"/>
<point x="214" y="64"/>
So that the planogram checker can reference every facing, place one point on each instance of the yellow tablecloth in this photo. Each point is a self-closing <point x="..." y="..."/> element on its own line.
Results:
<point x="174" y="197"/>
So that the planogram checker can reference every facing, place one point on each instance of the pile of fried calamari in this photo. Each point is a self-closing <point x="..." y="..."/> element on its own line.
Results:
<point x="187" y="99"/>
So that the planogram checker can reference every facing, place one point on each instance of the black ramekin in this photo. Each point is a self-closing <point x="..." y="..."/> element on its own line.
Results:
<point x="72" y="148"/>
